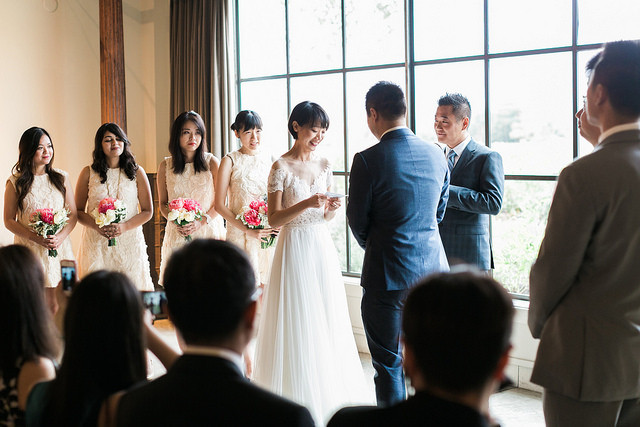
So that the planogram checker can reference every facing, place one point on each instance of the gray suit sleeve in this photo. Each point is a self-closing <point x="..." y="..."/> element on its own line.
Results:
<point x="572" y="219"/>
<point x="488" y="198"/>
<point x="360" y="196"/>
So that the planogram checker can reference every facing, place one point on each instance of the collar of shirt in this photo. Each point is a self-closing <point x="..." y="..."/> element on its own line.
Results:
<point x="458" y="148"/>
<point x="619" y="128"/>
<point x="220" y="352"/>
<point x="391" y="130"/>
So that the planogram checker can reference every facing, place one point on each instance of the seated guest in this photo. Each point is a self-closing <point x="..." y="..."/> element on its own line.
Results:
<point x="104" y="353"/>
<point x="27" y="343"/>
<point x="212" y="299"/>
<point x="457" y="328"/>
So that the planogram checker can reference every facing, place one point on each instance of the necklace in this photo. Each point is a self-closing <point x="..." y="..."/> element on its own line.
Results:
<point x="109" y="192"/>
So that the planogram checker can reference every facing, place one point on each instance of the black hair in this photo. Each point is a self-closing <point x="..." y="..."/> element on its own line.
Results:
<point x="387" y="99"/>
<point x="206" y="307"/>
<point x="23" y="169"/>
<point x="246" y="120"/>
<point x="26" y="326"/>
<point x="104" y="348"/>
<point x="127" y="160"/>
<point x="458" y="325"/>
<point x="177" y="158"/>
<point x="308" y="113"/>
<point x="459" y="102"/>
<point x="618" y="70"/>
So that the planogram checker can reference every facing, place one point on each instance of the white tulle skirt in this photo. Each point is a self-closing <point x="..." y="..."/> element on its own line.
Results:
<point x="305" y="349"/>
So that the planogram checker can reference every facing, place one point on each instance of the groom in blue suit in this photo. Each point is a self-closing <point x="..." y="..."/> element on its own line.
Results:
<point x="477" y="185"/>
<point x="398" y="193"/>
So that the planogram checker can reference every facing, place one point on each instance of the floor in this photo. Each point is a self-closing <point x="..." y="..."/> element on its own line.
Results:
<point x="511" y="408"/>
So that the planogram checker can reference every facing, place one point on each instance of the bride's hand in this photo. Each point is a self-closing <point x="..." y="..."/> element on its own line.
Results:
<point x="333" y="203"/>
<point x="316" y="201"/>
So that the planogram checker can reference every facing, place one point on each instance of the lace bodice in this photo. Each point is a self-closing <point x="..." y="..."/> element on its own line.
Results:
<point x="248" y="179"/>
<point x="117" y="186"/>
<point x="188" y="184"/>
<point x="43" y="194"/>
<point x="294" y="189"/>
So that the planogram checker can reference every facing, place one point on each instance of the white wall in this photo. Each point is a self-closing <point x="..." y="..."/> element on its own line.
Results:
<point x="51" y="78"/>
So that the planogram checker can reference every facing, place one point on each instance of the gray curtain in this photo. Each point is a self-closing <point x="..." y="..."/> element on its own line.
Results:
<point x="203" y="66"/>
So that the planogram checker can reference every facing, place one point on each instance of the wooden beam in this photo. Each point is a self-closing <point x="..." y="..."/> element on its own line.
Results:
<point x="112" y="81"/>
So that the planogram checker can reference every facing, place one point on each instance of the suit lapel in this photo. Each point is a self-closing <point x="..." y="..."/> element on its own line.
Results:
<point x="466" y="156"/>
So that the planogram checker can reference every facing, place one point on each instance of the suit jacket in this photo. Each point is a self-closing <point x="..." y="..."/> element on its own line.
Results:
<point x="397" y="196"/>
<point x="207" y="391"/>
<point x="422" y="410"/>
<point x="477" y="185"/>
<point x="585" y="284"/>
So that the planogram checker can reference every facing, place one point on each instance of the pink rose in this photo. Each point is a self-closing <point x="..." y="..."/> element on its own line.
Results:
<point x="252" y="217"/>
<point x="106" y="204"/>
<point x="255" y="205"/>
<point x="46" y="215"/>
<point x="176" y="204"/>
<point x="191" y="205"/>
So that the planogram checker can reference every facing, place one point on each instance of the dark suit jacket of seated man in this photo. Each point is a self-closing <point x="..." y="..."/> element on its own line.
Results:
<point x="457" y="329"/>
<point x="475" y="189"/>
<point x="212" y="299"/>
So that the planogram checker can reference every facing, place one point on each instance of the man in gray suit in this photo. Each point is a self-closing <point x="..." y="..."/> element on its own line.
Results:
<point x="476" y="187"/>
<point x="585" y="284"/>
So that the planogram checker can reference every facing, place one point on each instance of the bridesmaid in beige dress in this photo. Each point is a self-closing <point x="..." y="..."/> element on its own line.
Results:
<point x="242" y="178"/>
<point x="189" y="173"/>
<point x="35" y="184"/>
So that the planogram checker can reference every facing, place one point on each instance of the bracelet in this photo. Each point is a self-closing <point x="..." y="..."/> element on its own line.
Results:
<point x="207" y="217"/>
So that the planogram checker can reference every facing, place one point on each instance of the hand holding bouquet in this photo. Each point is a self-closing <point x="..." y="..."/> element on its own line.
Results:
<point x="255" y="217"/>
<point x="109" y="211"/>
<point x="47" y="222"/>
<point x="183" y="212"/>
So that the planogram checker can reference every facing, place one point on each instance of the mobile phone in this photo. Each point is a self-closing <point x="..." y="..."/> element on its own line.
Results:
<point x="156" y="303"/>
<point x="68" y="274"/>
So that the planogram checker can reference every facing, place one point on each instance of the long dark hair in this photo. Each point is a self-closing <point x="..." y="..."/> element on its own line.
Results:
<point x="199" y="162"/>
<point x="127" y="160"/>
<point x="104" y="348"/>
<point x="26" y="326"/>
<point x="23" y="169"/>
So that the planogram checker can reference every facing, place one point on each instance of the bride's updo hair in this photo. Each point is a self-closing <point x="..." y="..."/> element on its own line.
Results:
<point x="308" y="113"/>
<point x="246" y="120"/>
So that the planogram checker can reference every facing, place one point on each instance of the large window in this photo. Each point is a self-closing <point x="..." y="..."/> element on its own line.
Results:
<point x="520" y="64"/>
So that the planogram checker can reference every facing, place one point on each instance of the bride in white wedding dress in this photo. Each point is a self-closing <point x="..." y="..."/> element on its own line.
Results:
<point x="305" y="349"/>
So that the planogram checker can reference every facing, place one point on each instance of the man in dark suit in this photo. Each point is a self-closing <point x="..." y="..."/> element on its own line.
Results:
<point x="457" y="329"/>
<point x="585" y="283"/>
<point x="212" y="301"/>
<point x="397" y="195"/>
<point x="476" y="186"/>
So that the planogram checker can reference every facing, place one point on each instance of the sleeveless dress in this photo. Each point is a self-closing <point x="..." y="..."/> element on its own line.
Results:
<point x="191" y="185"/>
<point x="10" y="414"/>
<point x="129" y="256"/>
<point x="248" y="182"/>
<point x="43" y="194"/>
<point x="305" y="349"/>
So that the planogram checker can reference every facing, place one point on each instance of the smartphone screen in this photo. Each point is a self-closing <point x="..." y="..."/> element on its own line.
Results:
<point x="156" y="303"/>
<point x="68" y="274"/>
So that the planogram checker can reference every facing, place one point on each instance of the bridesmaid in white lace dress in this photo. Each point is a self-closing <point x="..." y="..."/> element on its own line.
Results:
<point x="35" y="184"/>
<point x="305" y="348"/>
<point x="189" y="173"/>
<point x="115" y="173"/>
<point x="242" y="178"/>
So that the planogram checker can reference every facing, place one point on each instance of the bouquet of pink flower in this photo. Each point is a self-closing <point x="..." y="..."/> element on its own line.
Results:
<point x="47" y="222"/>
<point x="184" y="211"/>
<point x="255" y="216"/>
<point x="109" y="211"/>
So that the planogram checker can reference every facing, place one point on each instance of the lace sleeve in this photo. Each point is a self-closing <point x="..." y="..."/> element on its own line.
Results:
<point x="276" y="180"/>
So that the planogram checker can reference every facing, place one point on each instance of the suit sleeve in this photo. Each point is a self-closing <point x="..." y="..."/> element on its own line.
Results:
<point x="488" y="198"/>
<point x="360" y="196"/>
<point x="572" y="219"/>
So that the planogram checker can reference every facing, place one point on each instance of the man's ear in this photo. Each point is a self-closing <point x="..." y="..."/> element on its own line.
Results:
<point x="465" y="123"/>
<point x="498" y="374"/>
<point x="600" y="94"/>
<point x="373" y="114"/>
<point x="249" y="317"/>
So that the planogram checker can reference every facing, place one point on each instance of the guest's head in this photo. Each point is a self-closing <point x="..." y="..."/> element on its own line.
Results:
<point x="104" y="346"/>
<point x="452" y="119"/>
<point x="188" y="138"/>
<point x="112" y="145"/>
<point x="586" y="129"/>
<point x="35" y="152"/>
<point x="307" y="115"/>
<point x="613" y="95"/>
<point x="26" y="327"/>
<point x="248" y="128"/>
<point x="211" y="294"/>
<point x="457" y="329"/>
<point x="387" y="100"/>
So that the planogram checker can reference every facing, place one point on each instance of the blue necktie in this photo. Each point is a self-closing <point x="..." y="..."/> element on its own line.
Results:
<point x="451" y="159"/>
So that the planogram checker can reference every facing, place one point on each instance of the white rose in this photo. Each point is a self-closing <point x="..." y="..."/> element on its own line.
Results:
<point x="118" y="204"/>
<point x="60" y="217"/>
<point x="189" y="216"/>
<point x="173" y="215"/>
<point x="101" y="219"/>
<point x="94" y="213"/>
<point x="111" y="216"/>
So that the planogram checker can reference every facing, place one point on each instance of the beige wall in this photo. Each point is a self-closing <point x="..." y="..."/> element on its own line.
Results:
<point x="50" y="77"/>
